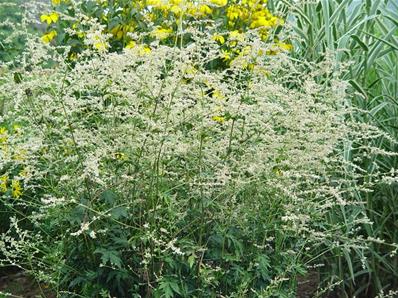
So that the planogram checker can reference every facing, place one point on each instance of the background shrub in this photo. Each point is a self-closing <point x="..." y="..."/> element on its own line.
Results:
<point x="118" y="22"/>
<point x="361" y="34"/>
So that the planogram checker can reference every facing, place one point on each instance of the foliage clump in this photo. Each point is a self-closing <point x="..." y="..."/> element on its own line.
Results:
<point x="176" y="149"/>
<point x="152" y="173"/>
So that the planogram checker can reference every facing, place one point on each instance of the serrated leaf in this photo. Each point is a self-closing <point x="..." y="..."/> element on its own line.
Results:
<point x="169" y="288"/>
<point x="76" y="281"/>
<point x="119" y="212"/>
<point x="191" y="261"/>
<point x="109" y="196"/>
<point x="175" y="287"/>
<point x="109" y="256"/>
<point x="166" y="289"/>
<point x="121" y="241"/>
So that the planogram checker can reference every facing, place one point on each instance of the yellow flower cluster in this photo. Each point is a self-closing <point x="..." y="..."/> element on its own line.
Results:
<point x="3" y="183"/>
<point x="50" y="18"/>
<point x="188" y="8"/>
<point x="16" y="188"/>
<point x="49" y="36"/>
<point x="57" y="2"/>
<point x="220" y="3"/>
<point x="3" y="135"/>
<point x="162" y="18"/>
<point x="17" y="154"/>
<point x="161" y="33"/>
<point x="252" y="14"/>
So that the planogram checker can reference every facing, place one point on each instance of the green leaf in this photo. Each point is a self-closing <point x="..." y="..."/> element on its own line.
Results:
<point x="175" y="287"/>
<point x="109" y="256"/>
<point x="384" y="40"/>
<point x="166" y="289"/>
<point x="191" y="261"/>
<point x="356" y="86"/>
<point x="392" y="20"/>
<point x="349" y="263"/>
<point x="119" y="212"/>
<point x="360" y="42"/>
<point x="109" y="196"/>
<point x="17" y="77"/>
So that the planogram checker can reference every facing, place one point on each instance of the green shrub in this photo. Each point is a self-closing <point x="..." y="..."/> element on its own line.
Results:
<point x="180" y="157"/>
<point x="153" y="174"/>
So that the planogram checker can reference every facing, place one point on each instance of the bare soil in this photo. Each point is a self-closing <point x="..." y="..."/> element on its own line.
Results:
<point x="16" y="284"/>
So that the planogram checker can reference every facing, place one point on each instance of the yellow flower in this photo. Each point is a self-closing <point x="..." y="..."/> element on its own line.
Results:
<point x="226" y="55"/>
<point x="48" y="37"/>
<point x="154" y="3"/>
<point x="253" y="4"/>
<point x="144" y="50"/>
<point x="217" y="94"/>
<point x="249" y="66"/>
<point x="204" y="10"/>
<point x="158" y="4"/>
<point x="50" y="18"/>
<point x="3" y="183"/>
<point x="190" y="70"/>
<point x="219" y="2"/>
<point x="16" y="188"/>
<point x="285" y="46"/>
<point x="56" y="2"/>
<point x="261" y="22"/>
<point x="131" y="44"/>
<point x="161" y="33"/>
<point x="234" y="12"/>
<point x="140" y="49"/>
<point x="73" y="56"/>
<point x="219" y="119"/>
<point x="177" y="10"/>
<point x="101" y="46"/>
<point x="263" y="32"/>
<point x="16" y="128"/>
<point x="219" y="38"/>
<point x="3" y="135"/>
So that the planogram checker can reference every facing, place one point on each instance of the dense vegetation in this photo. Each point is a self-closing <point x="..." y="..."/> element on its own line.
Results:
<point x="200" y="148"/>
